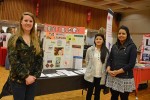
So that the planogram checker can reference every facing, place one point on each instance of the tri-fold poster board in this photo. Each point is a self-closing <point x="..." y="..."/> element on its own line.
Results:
<point x="63" y="46"/>
<point x="145" y="49"/>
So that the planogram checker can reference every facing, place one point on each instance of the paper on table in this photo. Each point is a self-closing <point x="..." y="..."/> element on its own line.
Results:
<point x="52" y="75"/>
<point x="78" y="72"/>
<point x="70" y="73"/>
<point x="42" y="75"/>
<point x="139" y="65"/>
<point x="82" y="70"/>
<point x="60" y="73"/>
<point x="63" y="70"/>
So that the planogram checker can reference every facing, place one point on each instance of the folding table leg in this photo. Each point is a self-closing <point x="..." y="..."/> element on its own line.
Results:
<point x="136" y="97"/>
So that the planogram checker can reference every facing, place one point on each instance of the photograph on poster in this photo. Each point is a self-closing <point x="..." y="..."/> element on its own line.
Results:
<point x="147" y="42"/>
<point x="59" y="51"/>
<point x="50" y="35"/>
<point x="145" y="57"/>
<point x="49" y="64"/>
<point x="58" y="60"/>
<point x="49" y="61"/>
<point x="67" y="43"/>
<point x="59" y="42"/>
<point x="69" y="37"/>
<point x="147" y="48"/>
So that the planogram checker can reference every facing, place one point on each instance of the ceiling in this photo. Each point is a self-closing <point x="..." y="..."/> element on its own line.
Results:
<point x="115" y="5"/>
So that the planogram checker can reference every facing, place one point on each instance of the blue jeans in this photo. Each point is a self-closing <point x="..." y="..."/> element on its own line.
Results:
<point x="21" y="91"/>
<point x="7" y="65"/>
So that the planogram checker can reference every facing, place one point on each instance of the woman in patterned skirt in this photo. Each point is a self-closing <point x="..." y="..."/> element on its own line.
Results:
<point x="120" y="64"/>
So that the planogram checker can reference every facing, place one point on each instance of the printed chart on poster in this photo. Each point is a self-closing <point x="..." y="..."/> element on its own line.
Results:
<point x="63" y="46"/>
<point x="145" y="50"/>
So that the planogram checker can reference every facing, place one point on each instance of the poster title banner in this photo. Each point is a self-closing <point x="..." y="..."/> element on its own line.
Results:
<point x="64" y="29"/>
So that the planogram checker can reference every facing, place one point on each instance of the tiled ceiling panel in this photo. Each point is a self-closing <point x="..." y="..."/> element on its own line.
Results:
<point x="115" y="5"/>
<point x="95" y="0"/>
<point x="112" y="4"/>
<point x="128" y="8"/>
<point x="131" y="1"/>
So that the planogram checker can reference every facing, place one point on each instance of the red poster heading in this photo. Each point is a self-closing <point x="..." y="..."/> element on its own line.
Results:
<point x="64" y="29"/>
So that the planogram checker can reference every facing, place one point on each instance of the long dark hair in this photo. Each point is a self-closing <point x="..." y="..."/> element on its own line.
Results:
<point x="104" y="49"/>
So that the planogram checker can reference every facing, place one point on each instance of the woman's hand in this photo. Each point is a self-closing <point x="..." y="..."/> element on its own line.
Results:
<point x="116" y="72"/>
<point x="111" y="73"/>
<point x="30" y="79"/>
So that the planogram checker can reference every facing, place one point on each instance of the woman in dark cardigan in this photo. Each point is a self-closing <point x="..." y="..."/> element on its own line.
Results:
<point x="120" y="64"/>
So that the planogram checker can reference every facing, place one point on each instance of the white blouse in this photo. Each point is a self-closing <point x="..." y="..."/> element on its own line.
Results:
<point x="97" y="63"/>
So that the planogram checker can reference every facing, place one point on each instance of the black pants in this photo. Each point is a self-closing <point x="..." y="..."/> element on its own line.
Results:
<point x="91" y="86"/>
<point x="115" y="94"/>
<point x="23" y="91"/>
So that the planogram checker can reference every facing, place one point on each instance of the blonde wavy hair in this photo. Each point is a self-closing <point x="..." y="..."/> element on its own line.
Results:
<point x="34" y="37"/>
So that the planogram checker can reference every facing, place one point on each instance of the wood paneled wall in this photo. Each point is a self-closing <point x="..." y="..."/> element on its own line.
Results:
<point x="55" y="12"/>
<point x="12" y="9"/>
